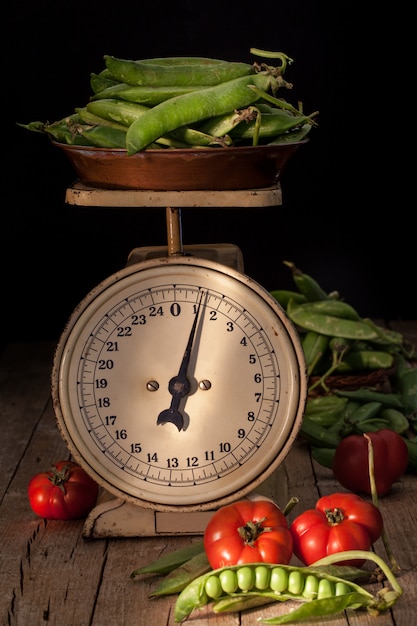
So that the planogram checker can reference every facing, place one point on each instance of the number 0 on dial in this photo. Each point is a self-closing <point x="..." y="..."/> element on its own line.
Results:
<point x="179" y="384"/>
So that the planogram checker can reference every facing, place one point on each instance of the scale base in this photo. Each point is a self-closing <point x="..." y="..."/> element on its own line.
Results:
<point x="115" y="517"/>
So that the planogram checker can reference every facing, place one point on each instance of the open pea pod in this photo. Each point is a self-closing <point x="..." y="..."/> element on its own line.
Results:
<point x="239" y="587"/>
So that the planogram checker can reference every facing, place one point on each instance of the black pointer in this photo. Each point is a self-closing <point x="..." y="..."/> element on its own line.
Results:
<point x="179" y="386"/>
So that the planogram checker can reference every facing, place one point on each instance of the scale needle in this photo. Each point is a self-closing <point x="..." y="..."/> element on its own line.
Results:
<point x="179" y="385"/>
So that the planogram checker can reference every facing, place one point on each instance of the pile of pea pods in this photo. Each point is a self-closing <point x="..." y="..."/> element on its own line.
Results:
<point x="183" y="102"/>
<point x="340" y="344"/>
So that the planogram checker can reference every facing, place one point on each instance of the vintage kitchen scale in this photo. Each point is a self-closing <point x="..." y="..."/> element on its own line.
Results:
<point x="179" y="384"/>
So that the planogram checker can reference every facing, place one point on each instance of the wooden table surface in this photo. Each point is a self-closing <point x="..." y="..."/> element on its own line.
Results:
<point x="51" y="575"/>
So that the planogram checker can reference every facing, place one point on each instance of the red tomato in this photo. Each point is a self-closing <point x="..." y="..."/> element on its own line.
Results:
<point x="248" y="532"/>
<point x="65" y="492"/>
<point x="341" y="521"/>
<point x="351" y="467"/>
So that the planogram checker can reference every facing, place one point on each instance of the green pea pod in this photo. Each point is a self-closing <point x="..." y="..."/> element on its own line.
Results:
<point x="292" y="136"/>
<point x="279" y="106"/>
<point x="366" y="360"/>
<point x="372" y="425"/>
<point x="315" y="346"/>
<point x="323" y="456"/>
<point x="182" y="576"/>
<point x="412" y="454"/>
<point x="104" y="137"/>
<point x="326" y="418"/>
<point x="271" y="125"/>
<point x="366" y="411"/>
<point x="407" y="387"/>
<point x="283" y="296"/>
<point x="95" y="120"/>
<point x="101" y="81"/>
<point x="343" y="424"/>
<point x="181" y="61"/>
<point x="223" y="124"/>
<point x="397" y="421"/>
<point x="317" y="435"/>
<point x="323" y="403"/>
<point x="392" y="400"/>
<point x="337" y="308"/>
<point x="67" y="130"/>
<point x="126" y="113"/>
<point x="328" y="324"/>
<point x="154" y="75"/>
<point x="142" y="94"/>
<point x="191" y="108"/>
<point x="171" y="561"/>
<point x="277" y="582"/>
<point x="307" y="285"/>
<point x="116" y="111"/>
<point x="384" y="336"/>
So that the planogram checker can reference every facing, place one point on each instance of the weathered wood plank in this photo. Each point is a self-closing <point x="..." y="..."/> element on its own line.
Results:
<point x="24" y="393"/>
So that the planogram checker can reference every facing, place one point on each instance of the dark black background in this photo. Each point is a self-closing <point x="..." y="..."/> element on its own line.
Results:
<point x="340" y="220"/>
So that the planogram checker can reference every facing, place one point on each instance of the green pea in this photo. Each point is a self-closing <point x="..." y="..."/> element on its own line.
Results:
<point x="246" y="578"/>
<point x="228" y="581"/>
<point x="295" y="583"/>
<point x="325" y="589"/>
<point x="213" y="587"/>
<point x="262" y="577"/>
<point x="279" y="579"/>
<point x="341" y="588"/>
<point x="311" y="586"/>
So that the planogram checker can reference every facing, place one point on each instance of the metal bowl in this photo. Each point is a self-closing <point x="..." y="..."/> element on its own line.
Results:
<point x="177" y="169"/>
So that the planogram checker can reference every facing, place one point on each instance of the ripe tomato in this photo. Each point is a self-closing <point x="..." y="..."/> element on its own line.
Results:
<point x="65" y="492"/>
<point x="248" y="532"/>
<point x="341" y="521"/>
<point x="351" y="466"/>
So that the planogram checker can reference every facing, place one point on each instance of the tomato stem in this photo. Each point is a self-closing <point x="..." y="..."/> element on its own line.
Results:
<point x="290" y="505"/>
<point x="59" y="477"/>
<point x="252" y="530"/>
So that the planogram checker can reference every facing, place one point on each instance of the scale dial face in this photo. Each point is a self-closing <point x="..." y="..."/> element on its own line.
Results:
<point x="179" y="384"/>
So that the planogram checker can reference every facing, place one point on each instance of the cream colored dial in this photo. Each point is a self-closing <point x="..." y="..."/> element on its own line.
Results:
<point x="238" y="394"/>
